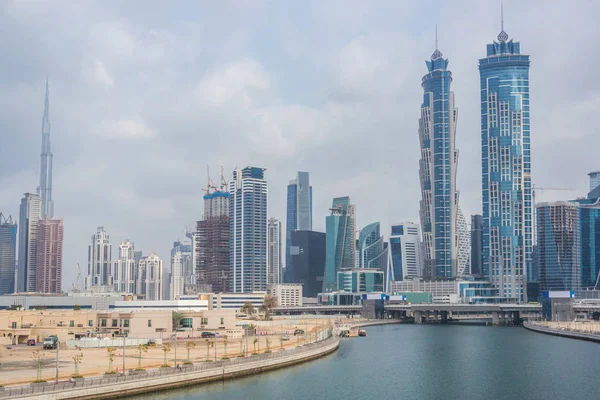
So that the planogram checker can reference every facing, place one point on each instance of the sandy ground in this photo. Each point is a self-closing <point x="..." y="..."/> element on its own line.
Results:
<point x="17" y="365"/>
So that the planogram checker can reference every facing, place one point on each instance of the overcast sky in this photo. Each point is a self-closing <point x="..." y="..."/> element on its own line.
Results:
<point x="145" y="94"/>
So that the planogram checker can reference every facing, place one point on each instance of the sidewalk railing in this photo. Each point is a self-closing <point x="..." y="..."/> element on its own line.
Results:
<point x="18" y="391"/>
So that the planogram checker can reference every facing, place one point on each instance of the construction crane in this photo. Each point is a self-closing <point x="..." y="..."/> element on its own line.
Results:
<point x="534" y="188"/>
<point x="210" y="184"/>
<point x="77" y="286"/>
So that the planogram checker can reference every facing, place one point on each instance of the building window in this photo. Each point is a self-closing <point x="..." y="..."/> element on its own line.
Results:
<point x="14" y="324"/>
<point x="492" y="112"/>
<point x="71" y="323"/>
<point x="115" y="323"/>
<point x="222" y="321"/>
<point x="505" y="163"/>
<point x="149" y="323"/>
<point x="504" y="117"/>
<point x="90" y="323"/>
<point x="103" y="323"/>
<point x="203" y="321"/>
<point x="493" y="154"/>
<point x="187" y="322"/>
<point x="126" y="323"/>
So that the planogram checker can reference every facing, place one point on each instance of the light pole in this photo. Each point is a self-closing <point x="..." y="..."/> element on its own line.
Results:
<point x="246" y="332"/>
<point x="57" y="350"/>
<point x="215" y="348"/>
<point x="124" y="338"/>
<point x="175" y="349"/>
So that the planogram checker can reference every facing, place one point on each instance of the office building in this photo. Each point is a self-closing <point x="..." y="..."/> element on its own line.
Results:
<point x="45" y="188"/>
<point x="177" y="279"/>
<point x="463" y="257"/>
<point x="437" y="170"/>
<point x="506" y="168"/>
<point x="49" y="260"/>
<point x="287" y="294"/>
<point x="594" y="180"/>
<point x="476" y="245"/>
<point x="299" y="209"/>
<point x="125" y="268"/>
<point x="359" y="280"/>
<point x="274" y="256"/>
<point x="248" y="230"/>
<point x="340" y="228"/>
<point x="29" y="217"/>
<point x="99" y="260"/>
<point x="192" y="235"/>
<point x="150" y="278"/>
<point x="558" y="245"/>
<point x="8" y="251"/>
<point x="405" y="251"/>
<point x="589" y="242"/>
<point x="455" y="291"/>
<point x="307" y="261"/>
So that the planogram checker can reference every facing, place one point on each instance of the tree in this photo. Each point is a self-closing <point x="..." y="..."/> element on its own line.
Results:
<point x="77" y="360"/>
<point x="142" y="348"/>
<point x="189" y="346"/>
<point x="76" y="307"/>
<point x="225" y="341"/>
<point x="177" y="317"/>
<point x="166" y="347"/>
<point x="209" y="344"/>
<point x="254" y="342"/>
<point x="38" y="356"/>
<point x="268" y="341"/>
<point x="269" y="303"/>
<point x="248" y="308"/>
<point x="111" y="359"/>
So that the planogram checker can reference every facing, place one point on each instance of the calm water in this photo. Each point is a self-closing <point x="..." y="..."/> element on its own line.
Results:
<point x="427" y="362"/>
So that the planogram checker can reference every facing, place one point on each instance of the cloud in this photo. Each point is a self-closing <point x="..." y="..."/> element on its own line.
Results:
<point x="102" y="75"/>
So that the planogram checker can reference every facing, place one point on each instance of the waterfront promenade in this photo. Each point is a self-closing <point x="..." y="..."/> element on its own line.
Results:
<point x="574" y="330"/>
<point x="166" y="378"/>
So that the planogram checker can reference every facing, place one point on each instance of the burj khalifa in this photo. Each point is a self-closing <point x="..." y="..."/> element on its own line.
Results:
<point x="45" y="188"/>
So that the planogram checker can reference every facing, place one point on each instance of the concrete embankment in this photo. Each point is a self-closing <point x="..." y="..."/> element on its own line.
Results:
<point x="159" y="380"/>
<point x="377" y="322"/>
<point x="560" y="332"/>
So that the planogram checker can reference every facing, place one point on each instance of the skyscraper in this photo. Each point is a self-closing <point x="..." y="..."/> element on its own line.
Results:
<point x="370" y="247"/>
<point x="299" y="209"/>
<point x="213" y="242"/>
<point x="340" y="240"/>
<point x="49" y="256"/>
<point x="99" y="260"/>
<point x="506" y="168"/>
<point x="177" y="278"/>
<point x="463" y="257"/>
<point x="476" y="244"/>
<point x="29" y="217"/>
<point x="307" y="253"/>
<point x="45" y="188"/>
<point x="150" y="277"/>
<point x="558" y="245"/>
<point x="8" y="248"/>
<point x="248" y="230"/>
<point x="594" y="180"/>
<point x="274" y="256"/>
<point x="125" y="268"/>
<point x="406" y="251"/>
<point x="437" y="169"/>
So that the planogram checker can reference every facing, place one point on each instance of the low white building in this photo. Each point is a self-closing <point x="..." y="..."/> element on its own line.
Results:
<point x="172" y="305"/>
<point x="287" y="294"/>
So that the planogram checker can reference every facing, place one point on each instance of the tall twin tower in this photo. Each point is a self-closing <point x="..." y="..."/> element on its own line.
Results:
<point x="506" y="171"/>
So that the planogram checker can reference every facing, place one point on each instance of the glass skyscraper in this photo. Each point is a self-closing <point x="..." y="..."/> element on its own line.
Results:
<point x="299" y="213"/>
<point x="506" y="168"/>
<point x="405" y="250"/>
<point x="437" y="170"/>
<point x="248" y="230"/>
<point x="340" y="241"/>
<point x="8" y="254"/>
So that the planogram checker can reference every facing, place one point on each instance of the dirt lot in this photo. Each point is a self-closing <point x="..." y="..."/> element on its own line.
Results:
<point x="17" y="365"/>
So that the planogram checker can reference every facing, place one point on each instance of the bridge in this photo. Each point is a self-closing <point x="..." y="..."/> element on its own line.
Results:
<point x="428" y="312"/>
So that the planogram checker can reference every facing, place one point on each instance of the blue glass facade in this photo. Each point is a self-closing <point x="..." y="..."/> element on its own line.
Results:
<point x="248" y="231"/>
<point x="340" y="242"/>
<point x="506" y="168"/>
<point x="437" y="167"/>
<point x="299" y="213"/>
<point x="8" y="249"/>
<point x="589" y="232"/>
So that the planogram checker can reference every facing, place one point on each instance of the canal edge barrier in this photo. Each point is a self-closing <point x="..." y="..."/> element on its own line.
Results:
<point x="135" y="384"/>
<point x="559" y="332"/>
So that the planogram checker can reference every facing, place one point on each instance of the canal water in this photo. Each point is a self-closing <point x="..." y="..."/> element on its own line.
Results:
<point x="426" y="362"/>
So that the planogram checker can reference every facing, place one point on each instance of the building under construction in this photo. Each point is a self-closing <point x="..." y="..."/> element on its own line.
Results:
<point x="212" y="239"/>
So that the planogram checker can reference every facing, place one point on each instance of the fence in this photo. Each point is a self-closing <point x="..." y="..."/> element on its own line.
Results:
<point x="161" y="372"/>
<point x="95" y="343"/>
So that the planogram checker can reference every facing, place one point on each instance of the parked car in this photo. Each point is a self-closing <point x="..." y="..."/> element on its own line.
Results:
<point x="31" y="342"/>
<point x="207" y="335"/>
<point x="298" y="332"/>
<point x="151" y="342"/>
<point x="285" y="337"/>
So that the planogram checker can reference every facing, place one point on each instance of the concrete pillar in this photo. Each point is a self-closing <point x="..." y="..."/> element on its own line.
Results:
<point x="444" y="317"/>
<point x="516" y="318"/>
<point x="418" y="317"/>
<point x="495" y="318"/>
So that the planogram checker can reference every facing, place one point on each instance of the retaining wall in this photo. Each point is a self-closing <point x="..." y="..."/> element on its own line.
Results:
<point x="559" y="332"/>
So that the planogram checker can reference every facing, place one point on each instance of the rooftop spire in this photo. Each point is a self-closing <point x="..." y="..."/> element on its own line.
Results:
<point x="502" y="36"/>
<point x="47" y="101"/>
<point x="436" y="54"/>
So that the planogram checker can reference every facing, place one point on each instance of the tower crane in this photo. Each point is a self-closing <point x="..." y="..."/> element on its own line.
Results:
<point x="534" y="188"/>
<point x="534" y="217"/>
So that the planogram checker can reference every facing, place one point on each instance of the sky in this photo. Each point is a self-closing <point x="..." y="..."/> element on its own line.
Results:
<point x="145" y="94"/>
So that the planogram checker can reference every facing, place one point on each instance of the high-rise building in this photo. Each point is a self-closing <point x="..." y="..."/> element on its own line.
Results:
<point x="506" y="168"/>
<point x="99" y="260"/>
<point x="212" y="243"/>
<point x="307" y="261"/>
<point x="406" y="252"/>
<point x="594" y="180"/>
<point x="150" y="277"/>
<point x="299" y="209"/>
<point x="340" y="228"/>
<point x="476" y="244"/>
<point x="589" y="242"/>
<point x="558" y="246"/>
<point x="248" y="230"/>
<point x="190" y="274"/>
<point x="437" y="170"/>
<point x="125" y="268"/>
<point x="274" y="256"/>
<point x="372" y="252"/>
<point x="8" y="251"/>
<point x="463" y="257"/>
<point x="45" y="188"/>
<point x="29" y="217"/>
<point x="177" y="278"/>
<point x="49" y="256"/>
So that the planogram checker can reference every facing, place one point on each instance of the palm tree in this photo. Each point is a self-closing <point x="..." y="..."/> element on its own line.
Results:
<point x="77" y="360"/>
<point x="166" y="347"/>
<point x="142" y="348"/>
<point x="209" y="344"/>
<point x="189" y="346"/>
<point x="254" y="342"/>
<point x="177" y="317"/>
<point x="268" y="341"/>
<point x="225" y="341"/>
<point x="247" y="308"/>
<point x="269" y="303"/>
